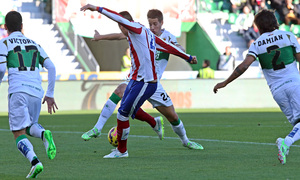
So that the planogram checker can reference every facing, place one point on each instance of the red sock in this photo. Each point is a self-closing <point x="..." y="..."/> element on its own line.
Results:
<point x="122" y="144"/>
<point x="143" y="116"/>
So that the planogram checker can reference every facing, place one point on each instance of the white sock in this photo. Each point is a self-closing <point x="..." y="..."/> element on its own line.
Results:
<point x="180" y="131"/>
<point x="106" y="112"/>
<point x="25" y="147"/>
<point x="35" y="130"/>
<point x="293" y="136"/>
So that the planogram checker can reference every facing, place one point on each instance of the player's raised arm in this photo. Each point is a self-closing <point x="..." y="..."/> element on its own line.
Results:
<point x="239" y="70"/>
<point x="163" y="46"/>
<point x="131" y="26"/>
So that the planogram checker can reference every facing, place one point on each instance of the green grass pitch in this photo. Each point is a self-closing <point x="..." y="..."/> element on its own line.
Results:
<point x="239" y="144"/>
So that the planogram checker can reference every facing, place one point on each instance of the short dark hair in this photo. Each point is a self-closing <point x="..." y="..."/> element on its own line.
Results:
<point x="126" y="15"/>
<point x="13" y="21"/>
<point x="266" y="21"/>
<point x="155" y="13"/>
<point x="207" y="62"/>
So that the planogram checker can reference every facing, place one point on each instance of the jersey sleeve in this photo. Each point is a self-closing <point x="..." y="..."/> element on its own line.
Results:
<point x="163" y="46"/>
<point x="3" y="51"/>
<point x="173" y="39"/>
<point x="43" y="55"/>
<point x="294" y="42"/>
<point x="3" y="55"/>
<point x="131" y="26"/>
<point x="252" y="50"/>
<point x="51" y="77"/>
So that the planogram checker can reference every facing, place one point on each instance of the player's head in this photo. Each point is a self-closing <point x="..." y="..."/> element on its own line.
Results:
<point x="266" y="21"/>
<point x="227" y="50"/>
<point x="13" y="21"/>
<point x="206" y="63"/>
<point x="126" y="15"/>
<point x="156" y="20"/>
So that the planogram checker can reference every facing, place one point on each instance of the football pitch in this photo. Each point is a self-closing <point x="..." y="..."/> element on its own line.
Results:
<point x="238" y="144"/>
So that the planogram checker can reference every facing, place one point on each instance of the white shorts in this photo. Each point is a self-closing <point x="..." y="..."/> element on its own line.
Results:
<point x="23" y="110"/>
<point x="159" y="98"/>
<point x="289" y="103"/>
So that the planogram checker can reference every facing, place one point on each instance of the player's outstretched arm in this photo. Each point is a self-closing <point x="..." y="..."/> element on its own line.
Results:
<point x="49" y="97"/>
<point x="239" y="70"/>
<point x="180" y="47"/>
<point x="164" y="46"/>
<point x="131" y="26"/>
<point x="88" y="7"/>
<point x="112" y="36"/>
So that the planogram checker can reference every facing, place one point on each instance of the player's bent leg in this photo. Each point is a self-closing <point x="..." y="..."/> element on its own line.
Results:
<point x="49" y="144"/>
<point x="26" y="149"/>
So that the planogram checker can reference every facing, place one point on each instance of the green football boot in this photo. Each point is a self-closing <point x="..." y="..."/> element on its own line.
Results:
<point x="91" y="133"/>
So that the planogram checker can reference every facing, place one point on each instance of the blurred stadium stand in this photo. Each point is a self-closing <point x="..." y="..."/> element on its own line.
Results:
<point x="219" y="24"/>
<point x="38" y="26"/>
<point x="214" y="29"/>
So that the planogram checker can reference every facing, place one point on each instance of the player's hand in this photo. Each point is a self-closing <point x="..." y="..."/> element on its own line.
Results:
<point x="194" y="60"/>
<point x="88" y="7"/>
<point x="51" y="104"/>
<point x="96" y="36"/>
<point x="219" y="86"/>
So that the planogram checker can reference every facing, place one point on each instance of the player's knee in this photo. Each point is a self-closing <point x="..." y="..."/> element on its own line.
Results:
<point x="172" y="117"/>
<point x="119" y="92"/>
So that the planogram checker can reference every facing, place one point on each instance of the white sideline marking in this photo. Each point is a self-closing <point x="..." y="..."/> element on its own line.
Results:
<point x="194" y="139"/>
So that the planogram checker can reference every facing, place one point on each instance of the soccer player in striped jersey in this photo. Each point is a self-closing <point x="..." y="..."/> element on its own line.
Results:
<point x="277" y="52"/>
<point x="143" y="74"/>
<point x="160" y="99"/>
<point x="22" y="57"/>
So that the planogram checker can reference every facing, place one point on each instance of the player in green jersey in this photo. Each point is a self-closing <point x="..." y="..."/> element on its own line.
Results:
<point x="22" y="57"/>
<point x="277" y="52"/>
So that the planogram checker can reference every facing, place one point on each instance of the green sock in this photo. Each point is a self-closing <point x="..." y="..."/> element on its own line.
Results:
<point x="114" y="98"/>
<point x="176" y="123"/>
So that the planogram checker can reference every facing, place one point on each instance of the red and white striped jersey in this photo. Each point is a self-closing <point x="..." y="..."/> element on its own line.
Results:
<point x="143" y="43"/>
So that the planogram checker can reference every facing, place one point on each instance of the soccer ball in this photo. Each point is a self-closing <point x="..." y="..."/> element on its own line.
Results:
<point x="112" y="136"/>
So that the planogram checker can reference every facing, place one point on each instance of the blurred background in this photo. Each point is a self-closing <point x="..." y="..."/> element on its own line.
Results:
<point x="217" y="32"/>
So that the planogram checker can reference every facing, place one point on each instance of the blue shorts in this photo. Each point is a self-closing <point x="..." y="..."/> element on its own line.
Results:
<point x="136" y="93"/>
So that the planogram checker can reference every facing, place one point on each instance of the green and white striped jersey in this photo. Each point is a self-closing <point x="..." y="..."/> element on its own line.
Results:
<point x="276" y="54"/>
<point x="162" y="57"/>
<point x="23" y="57"/>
